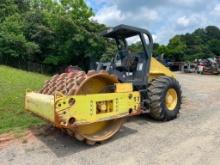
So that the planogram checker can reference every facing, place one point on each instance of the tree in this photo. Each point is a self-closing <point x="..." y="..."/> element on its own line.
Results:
<point x="7" y="8"/>
<point x="61" y="32"/>
<point x="202" y="43"/>
<point x="65" y="33"/>
<point x="159" y="50"/>
<point x="176" y="48"/>
<point x="13" y="44"/>
<point x="214" y="46"/>
<point x="57" y="33"/>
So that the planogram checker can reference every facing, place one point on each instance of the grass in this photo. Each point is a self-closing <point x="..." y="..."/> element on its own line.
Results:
<point x="13" y="84"/>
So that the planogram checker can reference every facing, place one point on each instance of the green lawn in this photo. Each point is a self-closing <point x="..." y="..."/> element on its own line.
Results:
<point x="13" y="84"/>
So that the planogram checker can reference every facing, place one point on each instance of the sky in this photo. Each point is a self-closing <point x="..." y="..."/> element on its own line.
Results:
<point x="163" y="18"/>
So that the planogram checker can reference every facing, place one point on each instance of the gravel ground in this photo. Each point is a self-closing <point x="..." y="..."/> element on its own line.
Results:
<point x="193" y="138"/>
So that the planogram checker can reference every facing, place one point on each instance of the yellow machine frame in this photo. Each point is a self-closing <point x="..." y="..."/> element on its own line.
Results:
<point x="157" y="69"/>
<point x="89" y="114"/>
<point x="69" y="111"/>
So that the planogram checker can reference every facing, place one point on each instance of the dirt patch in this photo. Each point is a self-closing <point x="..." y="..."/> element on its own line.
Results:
<point x="31" y="135"/>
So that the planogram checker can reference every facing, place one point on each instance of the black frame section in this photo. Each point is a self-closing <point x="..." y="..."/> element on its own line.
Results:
<point x="124" y="31"/>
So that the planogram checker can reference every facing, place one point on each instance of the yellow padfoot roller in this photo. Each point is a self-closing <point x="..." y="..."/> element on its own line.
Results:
<point x="93" y="106"/>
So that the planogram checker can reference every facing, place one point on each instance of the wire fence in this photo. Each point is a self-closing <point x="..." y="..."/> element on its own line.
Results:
<point x="33" y="66"/>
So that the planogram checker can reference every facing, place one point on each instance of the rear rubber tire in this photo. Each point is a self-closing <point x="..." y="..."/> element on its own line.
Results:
<point x="157" y="91"/>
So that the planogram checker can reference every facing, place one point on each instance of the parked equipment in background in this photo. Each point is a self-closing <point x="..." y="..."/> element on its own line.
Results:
<point x="189" y="67"/>
<point x="208" y="66"/>
<point x="93" y="106"/>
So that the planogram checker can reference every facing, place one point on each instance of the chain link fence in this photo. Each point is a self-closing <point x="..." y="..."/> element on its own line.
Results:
<point x="33" y="66"/>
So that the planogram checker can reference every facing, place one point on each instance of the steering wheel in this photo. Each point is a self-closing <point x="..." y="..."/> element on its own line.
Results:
<point x="130" y="63"/>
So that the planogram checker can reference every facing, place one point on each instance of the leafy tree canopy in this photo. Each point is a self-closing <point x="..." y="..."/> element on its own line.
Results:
<point x="61" y="33"/>
<point x="202" y="43"/>
<point x="50" y="32"/>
